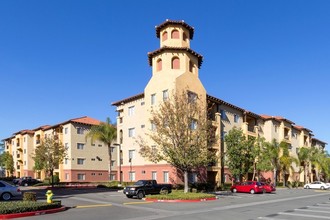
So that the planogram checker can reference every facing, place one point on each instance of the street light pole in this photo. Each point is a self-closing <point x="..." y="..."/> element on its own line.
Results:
<point x="120" y="176"/>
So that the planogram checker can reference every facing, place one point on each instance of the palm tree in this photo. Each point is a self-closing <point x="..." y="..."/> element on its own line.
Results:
<point x="286" y="160"/>
<point x="106" y="133"/>
<point x="317" y="158"/>
<point x="304" y="158"/>
<point x="271" y="154"/>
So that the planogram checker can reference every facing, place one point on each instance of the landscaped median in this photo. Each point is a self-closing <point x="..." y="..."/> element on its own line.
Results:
<point x="16" y="209"/>
<point x="180" y="196"/>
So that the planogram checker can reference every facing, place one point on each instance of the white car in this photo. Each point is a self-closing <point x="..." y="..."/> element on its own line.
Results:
<point x="317" y="185"/>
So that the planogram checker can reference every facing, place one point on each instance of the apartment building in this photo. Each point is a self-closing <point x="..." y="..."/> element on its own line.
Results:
<point x="85" y="161"/>
<point x="175" y="68"/>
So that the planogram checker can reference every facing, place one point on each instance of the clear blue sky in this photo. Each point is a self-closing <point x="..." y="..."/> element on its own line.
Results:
<point x="65" y="59"/>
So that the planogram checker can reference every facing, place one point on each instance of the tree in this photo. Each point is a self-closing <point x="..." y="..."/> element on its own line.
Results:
<point x="181" y="136"/>
<point x="271" y="158"/>
<point x="286" y="161"/>
<point x="239" y="152"/>
<point x="104" y="132"/>
<point x="49" y="155"/>
<point x="7" y="161"/>
<point x="304" y="159"/>
<point x="317" y="159"/>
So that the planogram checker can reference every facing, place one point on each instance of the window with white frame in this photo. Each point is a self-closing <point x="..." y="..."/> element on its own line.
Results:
<point x="165" y="177"/>
<point x="153" y="127"/>
<point x="80" y="130"/>
<point x="81" y="161"/>
<point x="154" y="175"/>
<point x="113" y="163"/>
<point x="193" y="124"/>
<point x="131" y="154"/>
<point x="67" y="176"/>
<point x="236" y="118"/>
<point x="165" y="95"/>
<point x="223" y="114"/>
<point x="131" y="176"/>
<point x="66" y="160"/>
<point x="65" y="130"/>
<point x="131" y="110"/>
<point x="80" y="146"/>
<point x="112" y="149"/>
<point x="153" y="99"/>
<point x="81" y="176"/>
<point x="131" y="132"/>
<point x="66" y="145"/>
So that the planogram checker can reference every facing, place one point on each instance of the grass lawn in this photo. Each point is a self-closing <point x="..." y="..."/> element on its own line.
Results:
<point x="180" y="195"/>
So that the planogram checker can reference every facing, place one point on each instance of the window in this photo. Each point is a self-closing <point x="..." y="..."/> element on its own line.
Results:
<point x="175" y="34"/>
<point x="184" y="36"/>
<point x="175" y="63"/>
<point x="154" y="175"/>
<point x="81" y="176"/>
<point x="154" y="149"/>
<point x="131" y="132"/>
<point x="65" y="130"/>
<point x="165" y="95"/>
<point x="236" y="118"/>
<point x="65" y="160"/>
<point x="223" y="134"/>
<point x="131" y="110"/>
<point x="164" y="36"/>
<point x="113" y="163"/>
<point x="165" y="177"/>
<point x="142" y="126"/>
<point x="67" y="176"/>
<point x="131" y="176"/>
<point x="24" y="162"/>
<point x="142" y="103"/>
<point x="153" y="99"/>
<point x="80" y="130"/>
<point x="112" y="177"/>
<point x="192" y="97"/>
<point x="223" y="114"/>
<point x="93" y="174"/>
<point x="80" y="161"/>
<point x="159" y="65"/>
<point x="131" y="155"/>
<point x="153" y="127"/>
<point x="193" y="124"/>
<point x="191" y="66"/>
<point x="66" y="145"/>
<point x="24" y="151"/>
<point x="80" y="146"/>
<point x="275" y="128"/>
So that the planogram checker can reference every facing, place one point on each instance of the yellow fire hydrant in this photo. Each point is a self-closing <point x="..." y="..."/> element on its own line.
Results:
<point x="49" y="195"/>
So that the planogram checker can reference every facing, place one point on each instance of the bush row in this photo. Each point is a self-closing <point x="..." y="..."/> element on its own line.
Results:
<point x="26" y="206"/>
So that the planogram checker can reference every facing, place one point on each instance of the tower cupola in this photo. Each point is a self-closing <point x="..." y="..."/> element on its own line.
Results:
<point x="174" y="34"/>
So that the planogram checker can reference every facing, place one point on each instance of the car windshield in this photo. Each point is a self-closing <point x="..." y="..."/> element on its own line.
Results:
<point x="139" y="183"/>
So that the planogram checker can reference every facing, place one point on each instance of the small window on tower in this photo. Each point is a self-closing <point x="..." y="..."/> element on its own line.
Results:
<point x="164" y="36"/>
<point x="159" y="64"/>
<point x="191" y="66"/>
<point x="175" y="63"/>
<point x="184" y="37"/>
<point x="175" y="34"/>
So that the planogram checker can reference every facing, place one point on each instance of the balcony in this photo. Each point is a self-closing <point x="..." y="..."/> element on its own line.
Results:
<point x="37" y="141"/>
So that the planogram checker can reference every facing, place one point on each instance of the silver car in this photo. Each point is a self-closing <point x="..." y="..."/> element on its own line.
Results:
<point x="7" y="191"/>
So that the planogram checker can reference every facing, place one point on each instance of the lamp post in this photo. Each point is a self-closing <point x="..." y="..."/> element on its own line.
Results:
<point x="120" y="176"/>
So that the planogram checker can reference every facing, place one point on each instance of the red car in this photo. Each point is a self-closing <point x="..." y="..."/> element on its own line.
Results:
<point x="248" y="187"/>
<point x="269" y="188"/>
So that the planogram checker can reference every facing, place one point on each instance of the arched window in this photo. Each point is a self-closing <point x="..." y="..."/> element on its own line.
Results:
<point x="191" y="66"/>
<point x="164" y="36"/>
<point x="175" y="63"/>
<point x="184" y="37"/>
<point x="175" y="34"/>
<point x="159" y="65"/>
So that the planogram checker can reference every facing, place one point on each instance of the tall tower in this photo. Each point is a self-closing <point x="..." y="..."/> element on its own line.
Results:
<point x="174" y="65"/>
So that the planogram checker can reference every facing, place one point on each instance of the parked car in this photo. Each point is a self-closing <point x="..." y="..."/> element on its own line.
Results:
<point x="28" y="182"/>
<point x="248" y="187"/>
<point x="269" y="188"/>
<point x="7" y="191"/>
<point x="145" y="187"/>
<point x="18" y="180"/>
<point x="317" y="185"/>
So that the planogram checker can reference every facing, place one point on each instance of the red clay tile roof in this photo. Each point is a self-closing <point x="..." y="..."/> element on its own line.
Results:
<point x="82" y="120"/>
<point x="171" y="22"/>
<point x="25" y="131"/>
<point x="317" y="140"/>
<point x="175" y="49"/>
<point x="129" y="99"/>
<point x="301" y="128"/>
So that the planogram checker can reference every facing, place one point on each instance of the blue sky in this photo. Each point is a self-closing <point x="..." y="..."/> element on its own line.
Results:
<point x="65" y="59"/>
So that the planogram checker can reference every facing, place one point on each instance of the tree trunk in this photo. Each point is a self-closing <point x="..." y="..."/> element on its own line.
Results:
<point x="305" y="173"/>
<point x="185" y="177"/>
<point x="110" y="159"/>
<point x="52" y="177"/>
<point x="275" y="175"/>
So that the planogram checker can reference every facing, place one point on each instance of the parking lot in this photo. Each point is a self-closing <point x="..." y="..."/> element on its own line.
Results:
<point x="105" y="204"/>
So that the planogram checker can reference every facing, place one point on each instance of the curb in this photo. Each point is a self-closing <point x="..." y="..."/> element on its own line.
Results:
<point x="177" y="200"/>
<point x="26" y="214"/>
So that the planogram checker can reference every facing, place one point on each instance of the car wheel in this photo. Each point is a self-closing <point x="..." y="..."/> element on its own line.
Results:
<point x="307" y="187"/>
<point x="322" y="187"/>
<point x="252" y="191"/>
<point x="234" y="190"/>
<point x="140" y="195"/>
<point x="263" y="191"/>
<point x="6" y="196"/>
<point x="164" y="191"/>
<point x="129" y="196"/>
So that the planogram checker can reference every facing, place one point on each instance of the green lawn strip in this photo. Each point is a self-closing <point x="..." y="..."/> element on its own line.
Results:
<point x="25" y="206"/>
<point x="180" y="195"/>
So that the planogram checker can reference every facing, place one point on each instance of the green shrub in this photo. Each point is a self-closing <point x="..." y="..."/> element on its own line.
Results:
<point x="180" y="195"/>
<point x="25" y="206"/>
<point x="30" y="196"/>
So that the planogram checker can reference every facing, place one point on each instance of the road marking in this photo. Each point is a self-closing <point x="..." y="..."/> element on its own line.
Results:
<point x="91" y="206"/>
<point x="310" y="210"/>
<point x="302" y="215"/>
<point x="132" y="203"/>
<point x="267" y="218"/>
